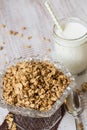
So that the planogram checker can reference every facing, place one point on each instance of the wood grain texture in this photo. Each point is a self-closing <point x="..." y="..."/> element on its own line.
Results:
<point x="17" y="14"/>
<point x="32" y="14"/>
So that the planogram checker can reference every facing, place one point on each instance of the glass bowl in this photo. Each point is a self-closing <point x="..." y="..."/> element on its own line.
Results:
<point x="30" y="112"/>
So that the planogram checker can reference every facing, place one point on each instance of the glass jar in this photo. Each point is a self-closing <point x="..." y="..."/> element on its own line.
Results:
<point x="72" y="52"/>
<point x="30" y="119"/>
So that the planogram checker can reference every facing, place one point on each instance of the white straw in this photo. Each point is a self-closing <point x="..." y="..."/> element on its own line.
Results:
<point x="53" y="15"/>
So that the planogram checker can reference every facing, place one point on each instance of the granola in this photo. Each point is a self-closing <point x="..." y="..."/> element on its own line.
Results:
<point x="34" y="84"/>
<point x="1" y="48"/>
<point x="10" y="122"/>
<point x="3" y="25"/>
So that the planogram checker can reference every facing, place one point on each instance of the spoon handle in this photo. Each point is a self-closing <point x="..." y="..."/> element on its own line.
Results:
<point x="79" y="124"/>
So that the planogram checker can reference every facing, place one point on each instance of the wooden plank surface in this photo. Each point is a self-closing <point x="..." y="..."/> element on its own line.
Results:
<point x="33" y="15"/>
<point x="18" y="14"/>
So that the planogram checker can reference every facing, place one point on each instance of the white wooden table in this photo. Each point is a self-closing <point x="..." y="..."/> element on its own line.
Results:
<point x="33" y="15"/>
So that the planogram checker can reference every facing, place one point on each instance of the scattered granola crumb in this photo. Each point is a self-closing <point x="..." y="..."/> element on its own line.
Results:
<point x="34" y="84"/>
<point x="20" y="35"/>
<point x="28" y="46"/>
<point x="29" y="37"/>
<point x="84" y="87"/>
<point x="24" y="28"/>
<point x="15" y="33"/>
<point x="3" y="25"/>
<point x="10" y="32"/>
<point x="80" y="125"/>
<point x="49" y="50"/>
<point x="10" y="122"/>
<point x="44" y="38"/>
<point x="1" y="48"/>
<point x="49" y="40"/>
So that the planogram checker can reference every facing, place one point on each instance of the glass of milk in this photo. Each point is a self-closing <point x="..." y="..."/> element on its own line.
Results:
<point x="71" y="44"/>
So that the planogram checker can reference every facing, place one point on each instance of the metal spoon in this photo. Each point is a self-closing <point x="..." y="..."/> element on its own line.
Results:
<point x="74" y="107"/>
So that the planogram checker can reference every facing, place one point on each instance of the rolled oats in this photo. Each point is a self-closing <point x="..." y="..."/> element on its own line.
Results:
<point x="1" y="48"/>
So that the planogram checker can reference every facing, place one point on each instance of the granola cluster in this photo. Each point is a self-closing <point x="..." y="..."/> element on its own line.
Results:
<point x="10" y="122"/>
<point x="34" y="84"/>
<point x="84" y="87"/>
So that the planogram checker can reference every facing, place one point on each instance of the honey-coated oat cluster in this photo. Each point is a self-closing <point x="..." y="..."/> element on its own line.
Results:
<point x="10" y="122"/>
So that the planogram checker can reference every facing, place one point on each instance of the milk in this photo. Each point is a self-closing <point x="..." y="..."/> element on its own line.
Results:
<point x="72" y="30"/>
<point x="71" y="45"/>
